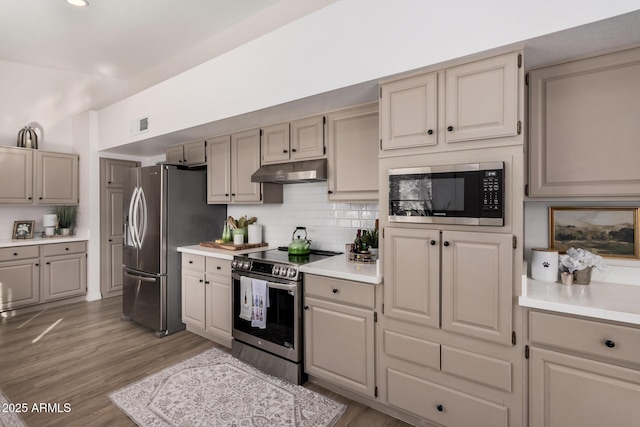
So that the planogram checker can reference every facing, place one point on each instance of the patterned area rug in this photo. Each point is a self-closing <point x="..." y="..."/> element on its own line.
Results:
<point x="8" y="416"/>
<point x="216" y="389"/>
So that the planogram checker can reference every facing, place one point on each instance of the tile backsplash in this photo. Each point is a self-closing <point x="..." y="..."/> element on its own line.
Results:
<point x="329" y="225"/>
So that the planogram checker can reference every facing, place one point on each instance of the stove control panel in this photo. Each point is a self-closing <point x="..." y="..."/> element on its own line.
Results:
<point x="241" y="264"/>
<point x="284" y="271"/>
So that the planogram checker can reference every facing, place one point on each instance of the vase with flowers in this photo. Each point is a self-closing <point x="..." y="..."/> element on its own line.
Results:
<point x="577" y="264"/>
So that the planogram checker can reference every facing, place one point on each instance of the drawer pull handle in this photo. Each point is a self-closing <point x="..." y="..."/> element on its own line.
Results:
<point x="334" y="290"/>
<point x="306" y="307"/>
<point x="218" y="268"/>
<point x="440" y="408"/>
<point x="190" y="262"/>
<point x="610" y="343"/>
<point x="206" y="282"/>
<point x="15" y="254"/>
<point x="66" y="249"/>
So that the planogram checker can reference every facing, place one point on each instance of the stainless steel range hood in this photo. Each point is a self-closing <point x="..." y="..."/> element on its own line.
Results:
<point x="294" y="172"/>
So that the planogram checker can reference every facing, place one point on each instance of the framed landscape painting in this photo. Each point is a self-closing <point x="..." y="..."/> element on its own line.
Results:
<point x="608" y="232"/>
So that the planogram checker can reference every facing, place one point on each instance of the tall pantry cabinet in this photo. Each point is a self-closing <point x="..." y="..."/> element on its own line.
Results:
<point x="450" y="336"/>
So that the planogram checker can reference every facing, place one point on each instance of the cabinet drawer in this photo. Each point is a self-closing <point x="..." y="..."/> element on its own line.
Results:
<point x="193" y="261"/>
<point x="412" y="349"/>
<point x="440" y="404"/>
<point x="342" y="291"/>
<point x="19" y="252"/>
<point x="482" y="369"/>
<point x="218" y="266"/>
<point x="586" y="336"/>
<point x="64" y="248"/>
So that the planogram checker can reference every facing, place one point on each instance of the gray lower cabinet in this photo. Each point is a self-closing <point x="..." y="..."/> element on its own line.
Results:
<point x="583" y="372"/>
<point x="206" y="297"/>
<point x="339" y="333"/>
<point x="31" y="275"/>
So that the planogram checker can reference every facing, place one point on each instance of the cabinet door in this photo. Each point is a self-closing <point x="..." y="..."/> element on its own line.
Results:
<point x="482" y="99"/>
<point x="477" y="285"/>
<point x="64" y="276"/>
<point x="193" y="298"/>
<point x="195" y="153"/>
<point x="584" y="127"/>
<point x="115" y="171"/>
<point x="275" y="143"/>
<point x="307" y="138"/>
<point x="115" y="238"/>
<point x="56" y="178"/>
<point x="412" y="275"/>
<point x="245" y="160"/>
<point x="408" y="112"/>
<point x="353" y="154"/>
<point x="218" y="306"/>
<point x="219" y="169"/>
<point x="16" y="175"/>
<point x="175" y="154"/>
<point x="340" y="345"/>
<point x="572" y="391"/>
<point x="19" y="284"/>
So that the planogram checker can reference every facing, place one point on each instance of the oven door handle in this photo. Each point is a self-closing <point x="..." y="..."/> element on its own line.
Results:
<point x="282" y="286"/>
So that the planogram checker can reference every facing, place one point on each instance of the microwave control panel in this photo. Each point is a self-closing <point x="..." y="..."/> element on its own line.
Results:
<point x="492" y="193"/>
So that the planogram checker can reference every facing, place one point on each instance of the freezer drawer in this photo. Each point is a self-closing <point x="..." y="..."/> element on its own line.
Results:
<point x="144" y="299"/>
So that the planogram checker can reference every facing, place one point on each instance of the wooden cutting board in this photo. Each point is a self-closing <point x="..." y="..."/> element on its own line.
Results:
<point x="231" y="247"/>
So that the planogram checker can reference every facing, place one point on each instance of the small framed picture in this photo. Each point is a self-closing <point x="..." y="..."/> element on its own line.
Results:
<point x="606" y="231"/>
<point x="23" y="229"/>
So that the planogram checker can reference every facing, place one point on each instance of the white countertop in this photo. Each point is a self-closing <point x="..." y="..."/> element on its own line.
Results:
<point x="608" y="301"/>
<point x="38" y="240"/>
<point x="340" y="268"/>
<point x="219" y="253"/>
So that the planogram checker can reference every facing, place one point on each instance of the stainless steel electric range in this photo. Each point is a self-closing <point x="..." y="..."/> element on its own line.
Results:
<point x="270" y="335"/>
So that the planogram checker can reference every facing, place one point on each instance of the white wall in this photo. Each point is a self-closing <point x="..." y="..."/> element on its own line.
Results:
<point x="329" y="225"/>
<point x="345" y="43"/>
<point x="50" y="98"/>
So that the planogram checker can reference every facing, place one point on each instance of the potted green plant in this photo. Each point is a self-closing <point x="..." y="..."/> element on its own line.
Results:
<point x="370" y="238"/>
<point x="66" y="218"/>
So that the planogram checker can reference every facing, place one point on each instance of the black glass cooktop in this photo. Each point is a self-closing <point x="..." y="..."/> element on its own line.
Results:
<point x="281" y="255"/>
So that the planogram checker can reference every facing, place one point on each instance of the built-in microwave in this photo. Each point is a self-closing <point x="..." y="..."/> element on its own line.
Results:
<point x="465" y="194"/>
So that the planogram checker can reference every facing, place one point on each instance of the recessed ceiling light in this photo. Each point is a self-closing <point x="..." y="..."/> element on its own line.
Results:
<point x="79" y="3"/>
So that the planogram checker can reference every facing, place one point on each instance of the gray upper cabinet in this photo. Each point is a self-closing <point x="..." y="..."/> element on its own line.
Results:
<point x="187" y="154"/>
<point x="472" y="105"/>
<point x="584" y="127"/>
<point x="38" y="177"/>
<point x="299" y="140"/>
<point x="352" y="142"/>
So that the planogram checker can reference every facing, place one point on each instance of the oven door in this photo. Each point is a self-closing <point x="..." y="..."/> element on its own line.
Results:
<point x="283" y="334"/>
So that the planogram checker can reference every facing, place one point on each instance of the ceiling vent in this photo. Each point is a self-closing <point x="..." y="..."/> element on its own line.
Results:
<point x="139" y="126"/>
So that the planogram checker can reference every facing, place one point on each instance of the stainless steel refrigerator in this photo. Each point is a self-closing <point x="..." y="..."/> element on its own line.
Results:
<point x="164" y="207"/>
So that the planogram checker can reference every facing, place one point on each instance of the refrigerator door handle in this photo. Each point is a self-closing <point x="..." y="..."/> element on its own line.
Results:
<point x="141" y="278"/>
<point x="135" y="227"/>
<point x="129" y="224"/>
<point x="142" y="229"/>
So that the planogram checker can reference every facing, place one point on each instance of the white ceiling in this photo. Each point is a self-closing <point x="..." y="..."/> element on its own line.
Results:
<point x="125" y="38"/>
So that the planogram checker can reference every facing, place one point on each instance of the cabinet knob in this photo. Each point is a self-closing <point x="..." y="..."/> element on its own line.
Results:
<point x="446" y="243"/>
<point x="206" y="282"/>
<point x="226" y="194"/>
<point x="293" y="150"/>
<point x="233" y="194"/>
<point x="48" y="263"/>
<point x="306" y="307"/>
<point x="334" y="290"/>
<point x="37" y="265"/>
<point x="201" y="280"/>
<point x="66" y="249"/>
<point x="218" y="268"/>
<point x="610" y="343"/>
<point x="108" y="182"/>
<point x="450" y="128"/>
<point x="440" y="408"/>
<point x="15" y="254"/>
<point x="111" y="240"/>
<point x="430" y="132"/>
<point x="329" y="192"/>
<point x="190" y="262"/>
<point x="39" y="198"/>
<point x="30" y="198"/>
<point x="285" y="151"/>
<point x="432" y="242"/>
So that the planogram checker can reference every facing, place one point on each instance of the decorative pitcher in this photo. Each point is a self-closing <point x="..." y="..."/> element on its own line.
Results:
<point x="27" y="138"/>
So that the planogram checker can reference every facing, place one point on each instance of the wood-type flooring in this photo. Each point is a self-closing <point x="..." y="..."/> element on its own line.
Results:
<point x="77" y="354"/>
